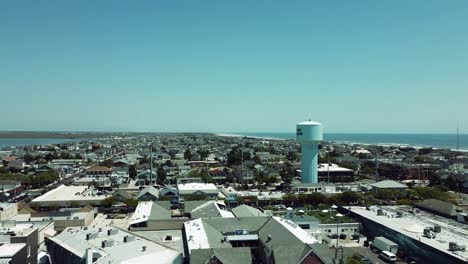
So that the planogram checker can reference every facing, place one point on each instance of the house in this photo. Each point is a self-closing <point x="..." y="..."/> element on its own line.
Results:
<point x="122" y="195"/>
<point x="206" y="209"/>
<point x="149" y="193"/>
<point x="320" y="187"/>
<point x="98" y="171"/>
<point x="17" y="164"/>
<point x="146" y="175"/>
<point x="154" y="216"/>
<point x="388" y="185"/>
<point x="207" y="190"/>
<point x="334" y="173"/>
<point x="218" y="176"/>
<point x="8" y="159"/>
<point x="169" y="192"/>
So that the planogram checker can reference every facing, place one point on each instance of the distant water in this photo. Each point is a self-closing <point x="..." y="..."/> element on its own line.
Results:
<point x="416" y="140"/>
<point x="4" y="142"/>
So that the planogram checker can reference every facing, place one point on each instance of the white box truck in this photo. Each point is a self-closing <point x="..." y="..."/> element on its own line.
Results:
<point x="383" y="244"/>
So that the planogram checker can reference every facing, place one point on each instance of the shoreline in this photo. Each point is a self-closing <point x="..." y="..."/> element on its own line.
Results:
<point x="383" y="144"/>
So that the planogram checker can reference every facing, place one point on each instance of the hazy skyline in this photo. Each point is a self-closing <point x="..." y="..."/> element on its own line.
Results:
<point x="234" y="66"/>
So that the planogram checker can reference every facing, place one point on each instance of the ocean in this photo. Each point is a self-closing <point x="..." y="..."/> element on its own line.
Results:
<point x="4" y="142"/>
<point x="416" y="140"/>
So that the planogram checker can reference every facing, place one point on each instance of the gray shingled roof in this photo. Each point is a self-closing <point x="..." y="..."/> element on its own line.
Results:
<point x="285" y="246"/>
<point x="225" y="255"/>
<point x="206" y="210"/>
<point x="190" y="205"/>
<point x="438" y="206"/>
<point x="245" y="211"/>
<point x="151" y="190"/>
<point x="388" y="184"/>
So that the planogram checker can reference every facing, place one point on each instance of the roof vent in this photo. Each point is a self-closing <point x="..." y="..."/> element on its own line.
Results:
<point x="111" y="232"/>
<point x="143" y="248"/>
<point x="268" y="238"/>
<point x="107" y="243"/>
<point x="128" y="238"/>
<point x="90" y="236"/>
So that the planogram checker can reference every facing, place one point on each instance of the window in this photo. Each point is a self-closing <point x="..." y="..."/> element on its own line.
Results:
<point x="29" y="251"/>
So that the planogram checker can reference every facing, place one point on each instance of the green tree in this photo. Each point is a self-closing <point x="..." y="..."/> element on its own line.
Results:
<point x="132" y="171"/>
<point x="289" y="198"/>
<point x="187" y="154"/>
<point x="74" y="204"/>
<point x="161" y="175"/>
<point x="356" y="258"/>
<point x="203" y="153"/>
<point x="131" y="203"/>
<point x="28" y="158"/>
<point x="350" y="197"/>
<point x="452" y="183"/>
<point x="109" y="201"/>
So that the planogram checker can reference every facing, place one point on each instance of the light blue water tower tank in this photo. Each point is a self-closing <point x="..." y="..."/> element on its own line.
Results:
<point x="309" y="134"/>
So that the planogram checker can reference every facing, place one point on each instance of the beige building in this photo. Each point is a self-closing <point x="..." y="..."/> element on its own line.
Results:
<point x="8" y="210"/>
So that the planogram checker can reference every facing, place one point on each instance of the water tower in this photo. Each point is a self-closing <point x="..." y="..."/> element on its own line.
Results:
<point x="309" y="134"/>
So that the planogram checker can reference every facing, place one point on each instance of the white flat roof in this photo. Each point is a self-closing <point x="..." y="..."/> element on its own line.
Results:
<point x="410" y="224"/>
<point x="195" y="186"/>
<point x="9" y="250"/>
<point x="332" y="168"/>
<point x="74" y="240"/>
<point x="142" y="213"/>
<point x="69" y="193"/>
<point x="298" y="232"/>
<point x="196" y="235"/>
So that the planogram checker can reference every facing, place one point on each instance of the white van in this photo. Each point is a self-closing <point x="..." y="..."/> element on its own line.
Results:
<point x="388" y="256"/>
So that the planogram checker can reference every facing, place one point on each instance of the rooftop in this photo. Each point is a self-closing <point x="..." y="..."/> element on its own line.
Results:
<point x="78" y="241"/>
<point x="413" y="224"/>
<point x="245" y="211"/>
<point x="9" y="250"/>
<point x="388" y="184"/>
<point x="6" y="206"/>
<point x="149" y="211"/>
<point x="195" y="186"/>
<point x="332" y="168"/>
<point x="65" y="193"/>
<point x="276" y="233"/>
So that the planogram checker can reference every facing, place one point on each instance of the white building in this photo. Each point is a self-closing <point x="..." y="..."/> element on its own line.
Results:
<point x="107" y="245"/>
<point x="66" y="195"/>
<point x="207" y="189"/>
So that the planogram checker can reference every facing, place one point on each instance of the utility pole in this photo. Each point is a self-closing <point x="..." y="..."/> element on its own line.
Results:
<point x="328" y="167"/>
<point x="151" y="165"/>
<point x="242" y="165"/>
<point x="458" y="138"/>
<point x="377" y="165"/>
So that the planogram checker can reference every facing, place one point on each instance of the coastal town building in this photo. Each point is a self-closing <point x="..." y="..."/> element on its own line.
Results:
<point x="109" y="244"/>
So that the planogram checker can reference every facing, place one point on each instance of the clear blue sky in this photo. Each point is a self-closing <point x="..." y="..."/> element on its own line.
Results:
<point x="224" y="66"/>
